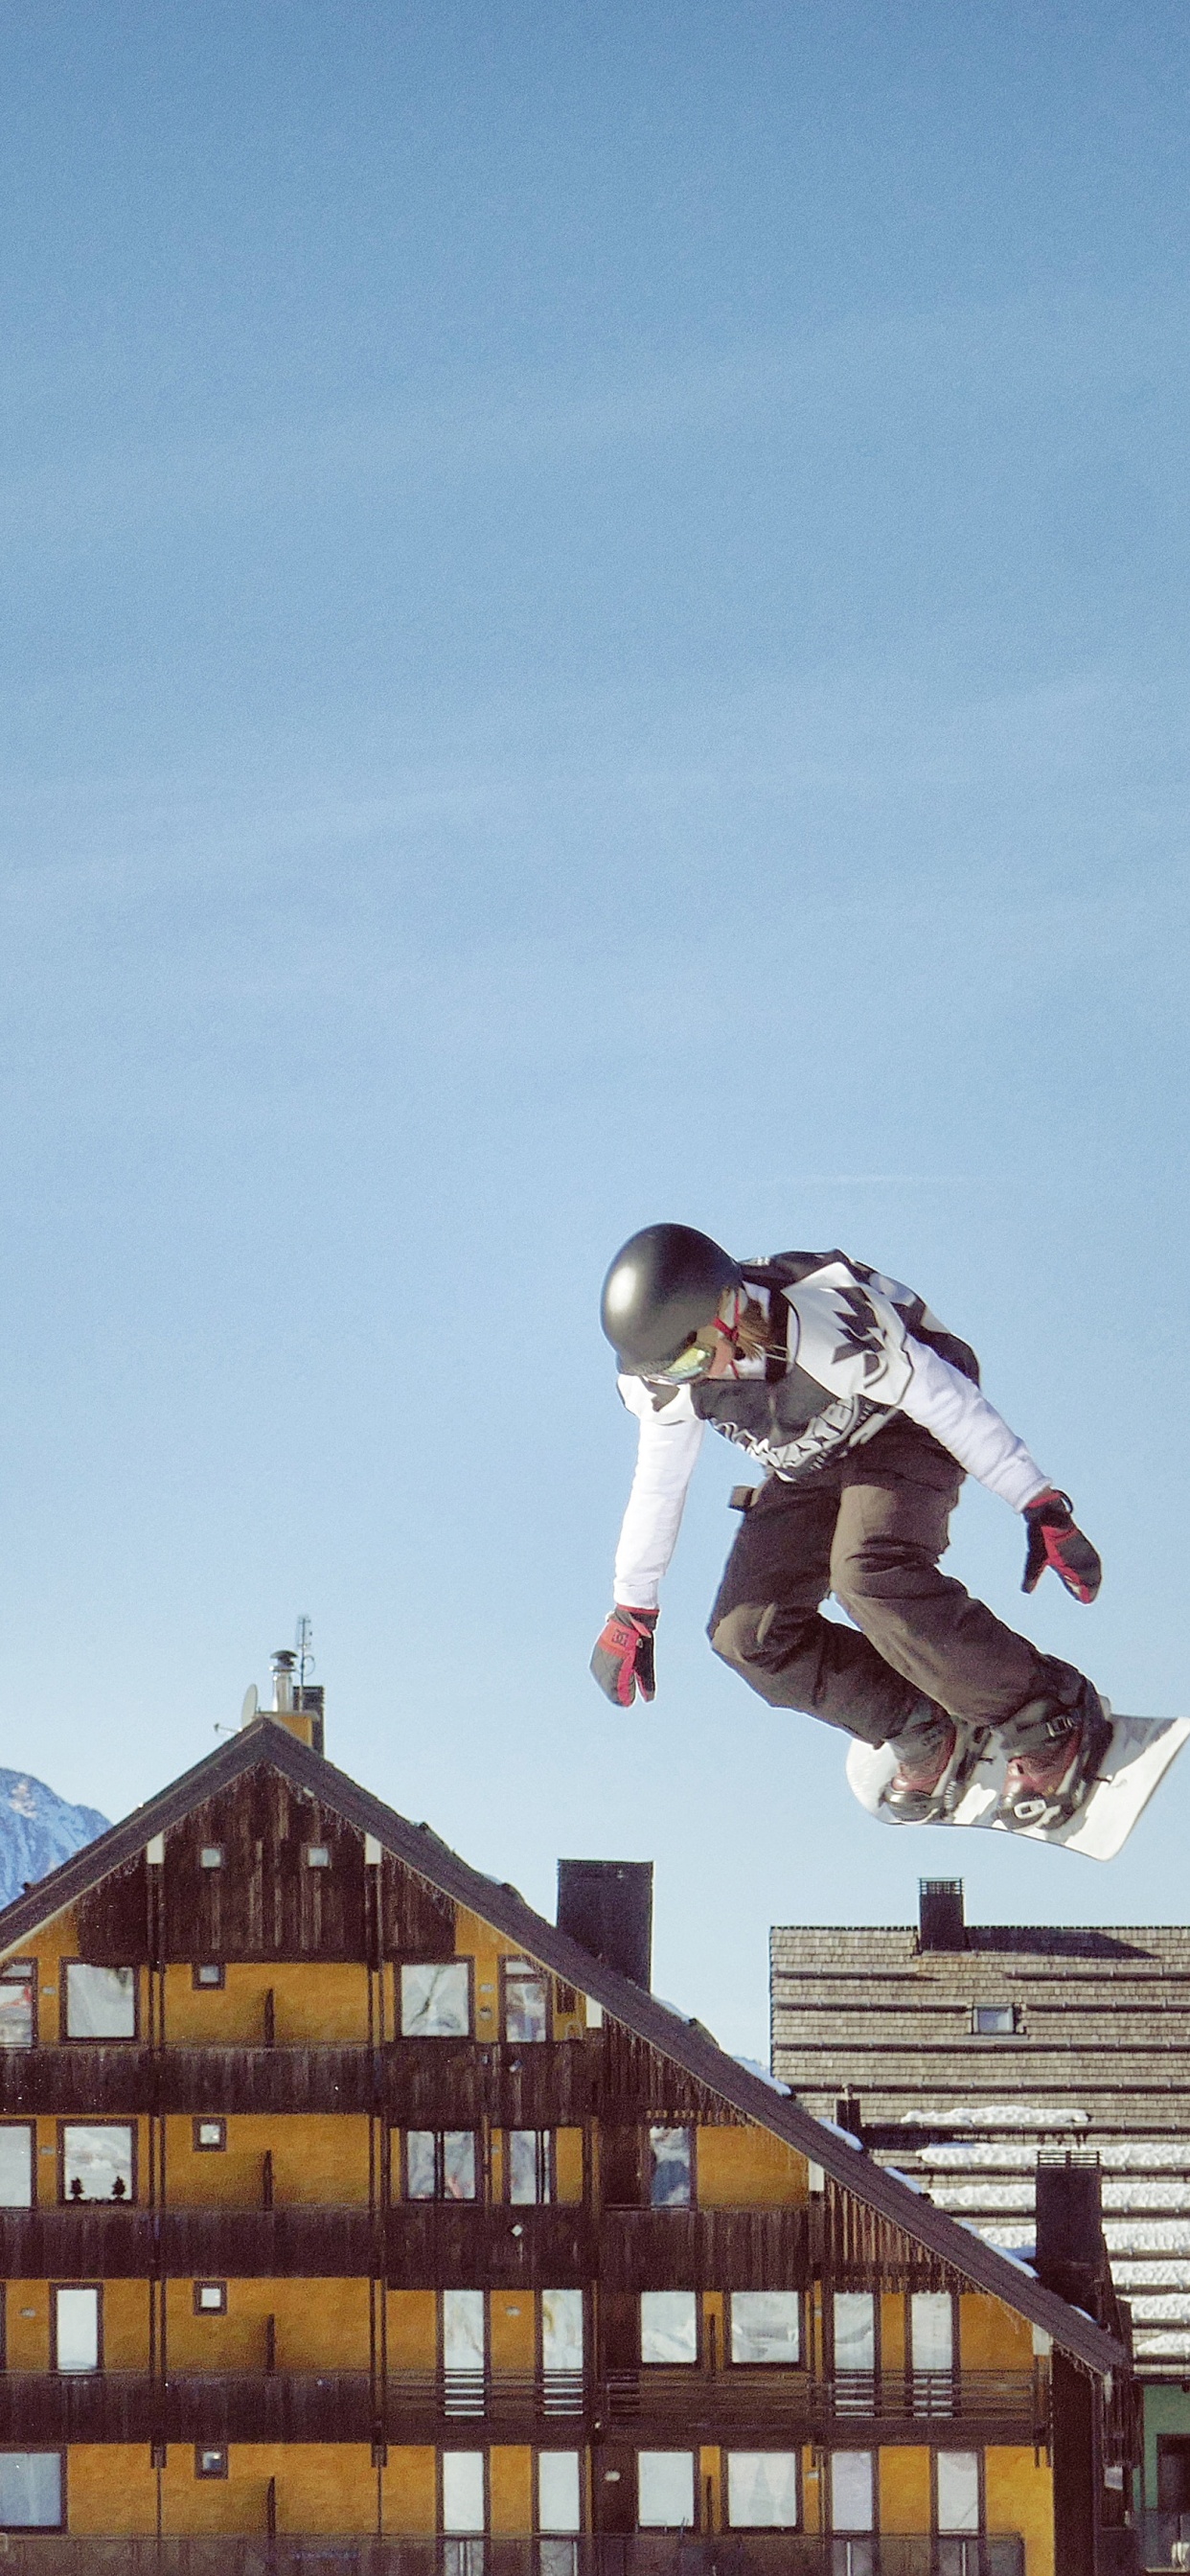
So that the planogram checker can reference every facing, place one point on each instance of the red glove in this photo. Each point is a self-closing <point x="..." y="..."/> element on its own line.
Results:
<point x="623" y="1659"/>
<point x="1055" y="1540"/>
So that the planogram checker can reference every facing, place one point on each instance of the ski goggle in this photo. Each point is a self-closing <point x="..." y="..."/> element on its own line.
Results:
<point x="693" y="1362"/>
<point x="696" y="1358"/>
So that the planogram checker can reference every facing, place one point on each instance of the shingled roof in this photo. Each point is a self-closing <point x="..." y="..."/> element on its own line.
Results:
<point x="685" y="2042"/>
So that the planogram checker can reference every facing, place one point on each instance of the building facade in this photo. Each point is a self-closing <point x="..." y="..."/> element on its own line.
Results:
<point x="970" y="2055"/>
<point x="354" y="2215"/>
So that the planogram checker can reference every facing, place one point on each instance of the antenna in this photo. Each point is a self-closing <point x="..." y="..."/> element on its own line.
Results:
<point x="303" y="1638"/>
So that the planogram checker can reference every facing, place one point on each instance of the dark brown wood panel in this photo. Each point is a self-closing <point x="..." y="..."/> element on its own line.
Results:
<point x="438" y="2245"/>
<point x="265" y="1902"/>
<point x="418" y="1920"/>
<point x="713" y="2249"/>
<point x="639" y="2081"/>
<point x="113" y="1918"/>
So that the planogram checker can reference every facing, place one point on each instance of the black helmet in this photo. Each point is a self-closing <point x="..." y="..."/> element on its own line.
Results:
<point x="664" y="1285"/>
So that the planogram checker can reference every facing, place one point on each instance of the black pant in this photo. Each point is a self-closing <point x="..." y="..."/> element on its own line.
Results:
<point x="871" y="1531"/>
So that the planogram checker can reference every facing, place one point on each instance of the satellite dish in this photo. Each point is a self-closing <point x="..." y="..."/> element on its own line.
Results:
<point x="251" y="1704"/>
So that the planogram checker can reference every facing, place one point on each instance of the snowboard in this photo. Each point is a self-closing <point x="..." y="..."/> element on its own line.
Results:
<point x="1132" y="1766"/>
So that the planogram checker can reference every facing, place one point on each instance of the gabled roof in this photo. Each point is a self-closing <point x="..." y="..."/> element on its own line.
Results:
<point x="686" y="2043"/>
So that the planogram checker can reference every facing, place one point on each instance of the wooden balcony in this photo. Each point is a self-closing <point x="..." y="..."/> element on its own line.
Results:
<point x="642" y="2553"/>
<point x="417" y="2245"/>
<point x="715" y="2249"/>
<point x="418" y="2083"/>
<point x="651" y="2408"/>
<point x="861" y="2408"/>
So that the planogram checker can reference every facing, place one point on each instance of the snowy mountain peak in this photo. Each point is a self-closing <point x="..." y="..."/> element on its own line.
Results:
<point x="38" y="1830"/>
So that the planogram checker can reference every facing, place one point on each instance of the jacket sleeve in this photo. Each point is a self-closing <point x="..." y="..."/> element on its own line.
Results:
<point x="946" y="1403"/>
<point x="668" y="1445"/>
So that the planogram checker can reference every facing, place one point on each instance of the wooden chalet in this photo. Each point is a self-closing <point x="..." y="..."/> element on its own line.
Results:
<point x="354" y="2216"/>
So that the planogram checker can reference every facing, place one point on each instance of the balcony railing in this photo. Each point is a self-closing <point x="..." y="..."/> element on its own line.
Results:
<point x="770" y="2553"/>
<point x="419" y="2244"/>
<point x="432" y="2405"/>
<point x="422" y="2083"/>
<point x="729" y="2398"/>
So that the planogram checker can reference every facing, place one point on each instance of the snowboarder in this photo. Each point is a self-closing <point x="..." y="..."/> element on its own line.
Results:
<point x="866" y="1414"/>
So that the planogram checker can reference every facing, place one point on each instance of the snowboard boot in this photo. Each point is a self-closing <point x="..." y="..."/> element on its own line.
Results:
<point x="933" y="1758"/>
<point x="1048" y="1785"/>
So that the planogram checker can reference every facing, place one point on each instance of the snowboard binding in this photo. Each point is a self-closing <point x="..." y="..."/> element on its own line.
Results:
<point x="1045" y="1789"/>
<point x="903" y="1802"/>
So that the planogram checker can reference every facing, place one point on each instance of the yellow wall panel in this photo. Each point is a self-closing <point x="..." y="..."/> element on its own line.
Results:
<point x="110" y="2487"/>
<point x="568" y="2159"/>
<point x="27" y="2325"/>
<point x="1020" y="2498"/>
<point x="904" y="2489"/>
<point x="510" y="2487"/>
<point x="512" y="2332"/>
<point x="811" y="2491"/>
<point x="412" y="2330"/>
<point x="126" y="2325"/>
<point x="711" y="2500"/>
<point x="318" y="2157"/>
<point x="320" y="2325"/>
<point x="992" y="2337"/>
<point x="324" y="2486"/>
<point x="410" y="2487"/>
<point x="312" y="2000"/>
<point x="749" y="2169"/>
<point x="893" y="2355"/>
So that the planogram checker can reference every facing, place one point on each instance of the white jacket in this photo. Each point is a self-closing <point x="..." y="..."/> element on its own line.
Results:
<point x="849" y="1339"/>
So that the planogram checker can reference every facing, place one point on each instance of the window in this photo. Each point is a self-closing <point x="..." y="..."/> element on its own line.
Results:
<point x="18" y="2029"/>
<point x="853" y="2491"/>
<point x="318" y="1856"/>
<point x="208" y="1972"/>
<point x="562" y="2332"/>
<point x="211" y="1857"/>
<point x="210" y="2137"/>
<point x="16" y="2166"/>
<point x="559" y="2491"/>
<point x="526" y="2001"/>
<point x="993" y="2020"/>
<point x="855" y="2330"/>
<point x="958" y="2490"/>
<point x="31" y="2491"/>
<point x="210" y="2298"/>
<point x="464" y="2351"/>
<point x="530" y="2166"/>
<point x="766" y="2325"/>
<point x="98" y="2161"/>
<point x="462" y="2491"/>
<point x="669" y="2325"/>
<point x="100" y="2002"/>
<point x="671" y="2168"/>
<point x="436" y="2000"/>
<point x="931" y="2330"/>
<point x="665" y="2490"/>
<point x="762" y="2490"/>
<point x="440" y="2164"/>
<point x="76" y="2329"/>
<point x="210" y="2460"/>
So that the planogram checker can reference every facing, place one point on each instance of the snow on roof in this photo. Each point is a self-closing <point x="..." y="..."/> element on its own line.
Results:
<point x="1116" y="2155"/>
<point x="993" y="2115"/>
<point x="752" y="2066"/>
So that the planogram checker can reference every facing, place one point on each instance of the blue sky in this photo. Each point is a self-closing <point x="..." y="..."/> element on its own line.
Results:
<point x="595" y="629"/>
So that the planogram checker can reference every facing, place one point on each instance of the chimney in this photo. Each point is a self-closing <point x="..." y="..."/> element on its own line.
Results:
<point x="296" y="1705"/>
<point x="608" y="1906"/>
<point x="940" y="1914"/>
<point x="849" y="2114"/>
<point x="1071" y="2256"/>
